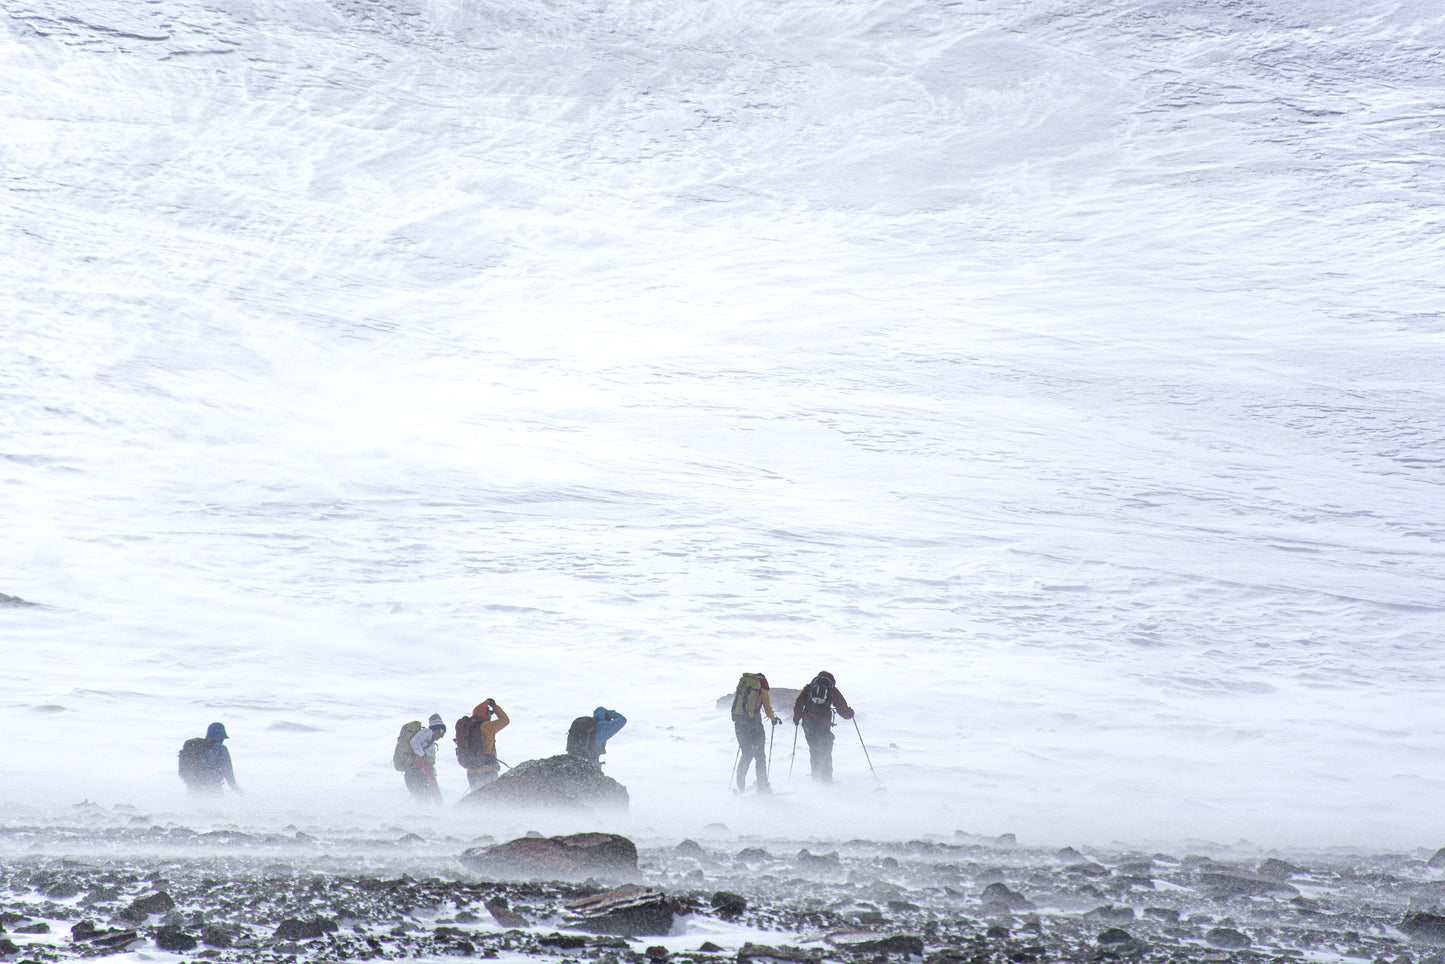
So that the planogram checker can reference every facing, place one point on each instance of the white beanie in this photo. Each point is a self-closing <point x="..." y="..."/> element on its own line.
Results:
<point x="435" y="721"/>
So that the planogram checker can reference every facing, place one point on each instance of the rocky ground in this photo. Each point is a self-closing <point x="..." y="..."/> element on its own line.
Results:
<point x="163" y="891"/>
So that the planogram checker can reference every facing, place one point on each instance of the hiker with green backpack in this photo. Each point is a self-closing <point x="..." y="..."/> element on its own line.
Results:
<point x="415" y="756"/>
<point x="750" y="700"/>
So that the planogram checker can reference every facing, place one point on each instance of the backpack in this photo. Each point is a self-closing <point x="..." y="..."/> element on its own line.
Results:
<point x="820" y="697"/>
<point x="581" y="737"/>
<point x="193" y="759"/>
<point x="469" y="743"/>
<point x="403" y="755"/>
<point x="747" y="697"/>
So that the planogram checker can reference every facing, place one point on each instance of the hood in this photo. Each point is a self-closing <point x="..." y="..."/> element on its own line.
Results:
<point x="827" y="676"/>
<point x="481" y="711"/>
<point x="216" y="732"/>
<point x="600" y="713"/>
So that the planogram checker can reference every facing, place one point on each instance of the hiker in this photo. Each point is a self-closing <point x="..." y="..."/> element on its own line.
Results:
<point x="587" y="737"/>
<point x="205" y="763"/>
<point x="750" y="697"/>
<point x="814" y="710"/>
<point x="477" y="742"/>
<point x="421" y="775"/>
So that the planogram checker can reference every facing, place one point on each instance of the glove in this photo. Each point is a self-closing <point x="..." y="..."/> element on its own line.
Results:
<point x="776" y="721"/>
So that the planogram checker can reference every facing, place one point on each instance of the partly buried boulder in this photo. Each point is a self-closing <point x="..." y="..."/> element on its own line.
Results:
<point x="556" y="858"/>
<point x="629" y="911"/>
<point x="563" y="782"/>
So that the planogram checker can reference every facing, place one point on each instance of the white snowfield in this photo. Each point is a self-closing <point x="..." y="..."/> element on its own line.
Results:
<point x="1065" y="376"/>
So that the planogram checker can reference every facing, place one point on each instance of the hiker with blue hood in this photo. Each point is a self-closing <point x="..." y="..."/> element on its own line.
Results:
<point x="205" y="763"/>
<point x="587" y="737"/>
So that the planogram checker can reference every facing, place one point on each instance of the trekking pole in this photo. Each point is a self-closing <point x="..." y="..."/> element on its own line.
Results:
<point x="865" y="750"/>
<point x="772" y="738"/>
<point x="794" y="755"/>
<point x="504" y="763"/>
<point x="732" y="774"/>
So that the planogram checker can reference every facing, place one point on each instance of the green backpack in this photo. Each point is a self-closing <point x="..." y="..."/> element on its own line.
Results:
<point x="747" y="697"/>
<point x="403" y="755"/>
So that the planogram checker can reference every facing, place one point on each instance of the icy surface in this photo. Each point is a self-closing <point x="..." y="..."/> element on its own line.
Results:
<point x="1064" y="376"/>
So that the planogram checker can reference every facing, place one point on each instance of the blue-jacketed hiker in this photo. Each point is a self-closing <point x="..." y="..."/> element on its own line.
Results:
<point x="205" y="763"/>
<point x="587" y="737"/>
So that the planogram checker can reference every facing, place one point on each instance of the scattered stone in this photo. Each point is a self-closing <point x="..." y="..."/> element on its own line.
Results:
<point x="1424" y="927"/>
<point x="998" y="897"/>
<point x="753" y="855"/>
<point x="562" y="782"/>
<point x="708" y="947"/>
<point x="689" y="848"/>
<point x="294" y="929"/>
<point x="1438" y="860"/>
<point x="629" y="911"/>
<point x="552" y="858"/>
<point x="504" y="915"/>
<point x="1167" y="914"/>
<point x="1276" y="869"/>
<point x="1088" y="869"/>
<point x="728" y="904"/>
<point x="864" y="943"/>
<point x="1227" y="938"/>
<point x="1234" y="883"/>
<point x="754" y="952"/>
<point x="567" y="942"/>
<point x="829" y="861"/>
<point x="39" y="927"/>
<point x="8" y="947"/>
<point x="175" y="939"/>
<point x="1112" y="914"/>
<point x="153" y="904"/>
<point x="1115" y="935"/>
<point x="656" y="953"/>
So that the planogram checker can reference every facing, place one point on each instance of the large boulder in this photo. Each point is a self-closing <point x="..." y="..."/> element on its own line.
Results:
<point x="571" y="857"/>
<point x="563" y="782"/>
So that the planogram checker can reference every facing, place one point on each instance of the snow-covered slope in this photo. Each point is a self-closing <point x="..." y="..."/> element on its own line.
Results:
<point x="1063" y="375"/>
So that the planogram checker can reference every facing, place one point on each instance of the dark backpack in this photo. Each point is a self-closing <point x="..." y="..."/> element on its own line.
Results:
<point x="581" y="737"/>
<point x="819" y="701"/>
<point x="193" y="759"/>
<point x="469" y="743"/>
<point x="747" y="697"/>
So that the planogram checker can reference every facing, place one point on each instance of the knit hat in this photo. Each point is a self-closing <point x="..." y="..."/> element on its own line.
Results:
<point x="435" y="723"/>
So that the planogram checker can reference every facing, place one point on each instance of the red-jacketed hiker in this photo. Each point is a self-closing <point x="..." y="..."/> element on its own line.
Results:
<point x="814" y="710"/>
<point x="421" y="776"/>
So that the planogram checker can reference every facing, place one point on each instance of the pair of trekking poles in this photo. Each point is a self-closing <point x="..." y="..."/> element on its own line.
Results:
<point x="792" y="758"/>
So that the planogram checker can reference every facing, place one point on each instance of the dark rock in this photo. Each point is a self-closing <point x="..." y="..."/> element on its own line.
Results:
<point x="828" y="860"/>
<point x="1234" y="883"/>
<point x="1166" y="914"/>
<point x="294" y="929"/>
<point x="996" y="931"/>
<point x="14" y="601"/>
<point x="750" y="952"/>
<point x="562" y="782"/>
<point x="1424" y="927"/>
<point x="502" y="914"/>
<point x="629" y="911"/>
<point x="1112" y="914"/>
<point x="567" y="942"/>
<point x="1115" y="935"/>
<point x="1088" y="869"/>
<point x="1276" y="869"/>
<point x="213" y="936"/>
<point x="856" y="943"/>
<point x="175" y="939"/>
<point x="39" y="927"/>
<point x="576" y="856"/>
<point x="1438" y="860"/>
<point x="689" y="848"/>
<point x="1007" y="841"/>
<point x="8" y="947"/>
<point x="998" y="895"/>
<point x="656" y="953"/>
<point x="139" y="910"/>
<point x="708" y="947"/>
<point x="752" y="855"/>
<point x="1227" y="938"/>
<point x="728" y="904"/>
<point x="64" y="890"/>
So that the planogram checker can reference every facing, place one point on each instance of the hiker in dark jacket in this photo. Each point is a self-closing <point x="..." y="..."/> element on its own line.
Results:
<point x="751" y="699"/>
<point x="814" y="710"/>
<point x="477" y="742"/>
<point x="206" y="768"/>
